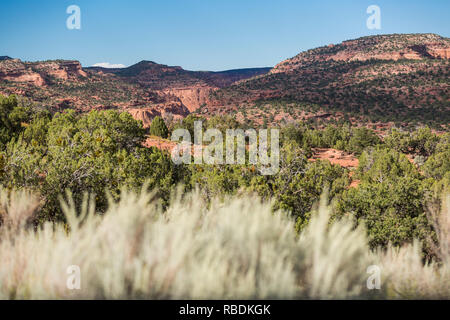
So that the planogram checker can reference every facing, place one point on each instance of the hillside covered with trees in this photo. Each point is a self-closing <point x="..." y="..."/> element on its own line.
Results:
<point x="398" y="177"/>
<point x="88" y="175"/>
<point x="402" y="79"/>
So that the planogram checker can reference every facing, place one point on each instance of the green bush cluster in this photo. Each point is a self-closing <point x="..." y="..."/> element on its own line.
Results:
<point x="158" y="128"/>
<point x="98" y="153"/>
<point x="345" y="137"/>
<point x="101" y="152"/>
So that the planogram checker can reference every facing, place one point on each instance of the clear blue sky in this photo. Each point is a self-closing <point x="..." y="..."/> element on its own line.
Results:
<point x="202" y="34"/>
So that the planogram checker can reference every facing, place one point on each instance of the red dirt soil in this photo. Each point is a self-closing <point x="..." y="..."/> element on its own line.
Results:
<point x="338" y="157"/>
<point x="342" y="158"/>
<point x="160" y="143"/>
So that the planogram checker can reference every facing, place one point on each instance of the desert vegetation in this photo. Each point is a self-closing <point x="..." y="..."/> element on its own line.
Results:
<point x="234" y="248"/>
<point x="81" y="189"/>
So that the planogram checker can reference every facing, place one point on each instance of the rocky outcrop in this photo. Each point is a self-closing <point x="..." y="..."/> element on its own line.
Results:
<point x="442" y="53"/>
<point x="16" y="71"/>
<point x="385" y="47"/>
<point x="146" y="114"/>
<point x="33" y="78"/>
<point x="36" y="73"/>
<point x="61" y="69"/>
<point x="192" y="97"/>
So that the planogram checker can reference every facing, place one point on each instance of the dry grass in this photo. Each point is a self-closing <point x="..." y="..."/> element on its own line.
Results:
<point x="234" y="249"/>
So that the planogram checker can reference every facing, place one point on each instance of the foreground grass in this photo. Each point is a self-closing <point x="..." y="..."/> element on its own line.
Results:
<point x="233" y="249"/>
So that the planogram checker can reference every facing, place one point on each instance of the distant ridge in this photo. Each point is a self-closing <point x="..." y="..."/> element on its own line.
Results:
<point x="145" y="89"/>
<point x="383" y="78"/>
<point x="140" y="66"/>
<point x="395" y="78"/>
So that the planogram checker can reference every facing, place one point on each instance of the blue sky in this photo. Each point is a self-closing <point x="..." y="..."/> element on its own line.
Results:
<point x="202" y="34"/>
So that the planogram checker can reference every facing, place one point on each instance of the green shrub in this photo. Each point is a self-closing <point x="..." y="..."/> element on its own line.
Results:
<point x="85" y="153"/>
<point x="159" y="128"/>
<point x="12" y="116"/>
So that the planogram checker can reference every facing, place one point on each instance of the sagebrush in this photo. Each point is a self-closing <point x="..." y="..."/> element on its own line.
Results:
<point x="234" y="249"/>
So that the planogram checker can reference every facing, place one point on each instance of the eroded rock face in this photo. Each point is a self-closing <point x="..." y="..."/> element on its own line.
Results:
<point x="61" y="69"/>
<point x="35" y="73"/>
<point x="16" y="71"/>
<point x="147" y="114"/>
<point x="31" y="77"/>
<point x="442" y="53"/>
<point x="192" y="97"/>
<point x="385" y="47"/>
<point x="178" y="110"/>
